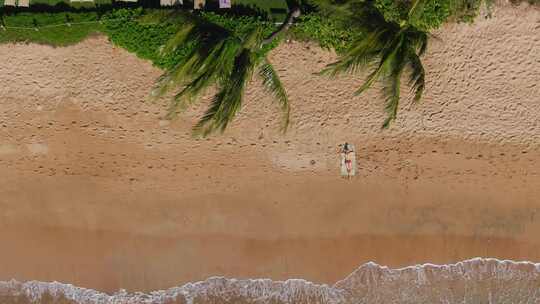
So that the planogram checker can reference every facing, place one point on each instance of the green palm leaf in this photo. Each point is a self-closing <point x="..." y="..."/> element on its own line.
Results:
<point x="223" y="59"/>
<point x="212" y="69"/>
<point x="417" y="76"/>
<point x="392" y="88"/>
<point x="228" y="101"/>
<point x="358" y="57"/>
<point x="273" y="84"/>
<point x="385" y="48"/>
<point x="386" y="64"/>
<point x="392" y="100"/>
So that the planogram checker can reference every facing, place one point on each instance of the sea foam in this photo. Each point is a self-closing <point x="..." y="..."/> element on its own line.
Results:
<point x="475" y="281"/>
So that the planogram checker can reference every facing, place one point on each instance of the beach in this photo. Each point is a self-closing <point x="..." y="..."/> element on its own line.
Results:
<point x="100" y="191"/>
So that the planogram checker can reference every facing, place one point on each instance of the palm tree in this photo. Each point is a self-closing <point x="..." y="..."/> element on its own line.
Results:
<point x="386" y="48"/>
<point x="225" y="59"/>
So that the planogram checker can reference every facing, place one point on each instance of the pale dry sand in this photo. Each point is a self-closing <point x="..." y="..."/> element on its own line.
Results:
<point x="98" y="191"/>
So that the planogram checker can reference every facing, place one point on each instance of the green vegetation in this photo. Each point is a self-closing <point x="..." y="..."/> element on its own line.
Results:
<point x="387" y="48"/>
<point x="275" y="9"/>
<point x="63" y="4"/>
<point x="49" y="28"/>
<point x="145" y="31"/>
<point x="133" y="30"/>
<point x="80" y="4"/>
<point x="143" y="38"/>
<point x="324" y="31"/>
<point x="198" y="51"/>
<point x="468" y="10"/>
<point x="390" y="36"/>
<point x="204" y="49"/>
<point x="266" y="5"/>
<point x="332" y="29"/>
<point x="435" y="12"/>
<point x="221" y="52"/>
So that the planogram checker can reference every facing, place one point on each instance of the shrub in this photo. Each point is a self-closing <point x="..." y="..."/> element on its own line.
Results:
<point x="468" y="10"/>
<point x="393" y="10"/>
<point x="143" y="39"/>
<point x="127" y="29"/>
<point x="242" y="25"/>
<point x="435" y="12"/>
<point x="239" y="25"/>
<point x="325" y="32"/>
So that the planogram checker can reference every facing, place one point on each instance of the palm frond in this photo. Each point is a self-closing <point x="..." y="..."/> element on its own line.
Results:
<point x="386" y="64"/>
<point x="371" y="78"/>
<point x="419" y="41"/>
<point x="387" y="48"/>
<point x="392" y="91"/>
<point x="174" y="77"/>
<point x="214" y="68"/>
<point x="179" y="17"/>
<point x="273" y="84"/>
<point x="416" y="11"/>
<point x="206" y="124"/>
<point x="358" y="15"/>
<point x="252" y="39"/>
<point x="228" y="100"/>
<point x="209" y="61"/>
<point x="367" y="18"/>
<point x="193" y="63"/>
<point x="178" y="39"/>
<point x="392" y="88"/>
<point x="336" y="9"/>
<point x="360" y="56"/>
<point x="417" y="75"/>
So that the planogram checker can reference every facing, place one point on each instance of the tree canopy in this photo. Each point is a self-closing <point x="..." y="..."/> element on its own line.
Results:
<point x="221" y="57"/>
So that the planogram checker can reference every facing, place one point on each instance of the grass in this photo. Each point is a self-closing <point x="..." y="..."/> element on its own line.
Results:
<point x="65" y="3"/>
<point x="277" y="9"/>
<point x="58" y="36"/>
<point x="125" y="27"/>
<point x="48" y="28"/>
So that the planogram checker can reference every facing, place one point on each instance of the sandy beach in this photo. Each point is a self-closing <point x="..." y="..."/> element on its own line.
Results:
<point x="98" y="190"/>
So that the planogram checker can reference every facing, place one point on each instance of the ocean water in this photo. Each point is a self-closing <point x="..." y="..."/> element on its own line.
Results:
<point x="476" y="281"/>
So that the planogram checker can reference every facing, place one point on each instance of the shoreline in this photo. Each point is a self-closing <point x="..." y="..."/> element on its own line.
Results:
<point x="95" y="180"/>
<point x="143" y="237"/>
<point x="462" y="281"/>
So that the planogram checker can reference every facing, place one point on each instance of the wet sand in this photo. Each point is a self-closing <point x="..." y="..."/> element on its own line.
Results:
<point x="98" y="191"/>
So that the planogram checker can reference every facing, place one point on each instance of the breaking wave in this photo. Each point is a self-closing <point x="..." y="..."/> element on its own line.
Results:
<point x="476" y="281"/>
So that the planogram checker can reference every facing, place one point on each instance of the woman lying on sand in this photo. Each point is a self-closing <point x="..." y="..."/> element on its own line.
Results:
<point x="347" y="152"/>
